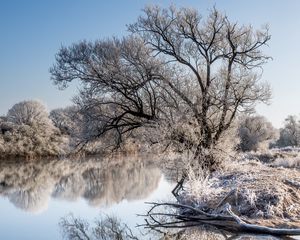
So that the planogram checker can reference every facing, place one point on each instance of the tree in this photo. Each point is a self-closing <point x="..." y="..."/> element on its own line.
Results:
<point x="29" y="113"/>
<point x="28" y="132"/>
<point x="254" y="130"/>
<point x="66" y="120"/>
<point x="175" y="65"/>
<point x="120" y="90"/>
<point x="290" y="133"/>
<point x="219" y="56"/>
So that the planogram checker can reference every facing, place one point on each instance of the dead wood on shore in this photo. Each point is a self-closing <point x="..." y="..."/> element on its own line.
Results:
<point x="181" y="216"/>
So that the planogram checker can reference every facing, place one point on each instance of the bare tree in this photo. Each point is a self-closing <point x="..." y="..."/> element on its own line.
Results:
<point x="219" y="57"/>
<point x="175" y="66"/>
<point x="120" y="84"/>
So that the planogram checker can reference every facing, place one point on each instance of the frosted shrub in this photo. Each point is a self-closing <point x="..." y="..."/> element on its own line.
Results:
<point x="201" y="186"/>
<point x="30" y="141"/>
<point x="250" y="196"/>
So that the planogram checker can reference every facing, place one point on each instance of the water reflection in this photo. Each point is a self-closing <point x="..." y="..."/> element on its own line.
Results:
<point x="102" y="183"/>
<point x="112" y="228"/>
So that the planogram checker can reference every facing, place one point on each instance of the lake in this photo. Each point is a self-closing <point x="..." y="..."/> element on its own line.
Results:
<point x="36" y="195"/>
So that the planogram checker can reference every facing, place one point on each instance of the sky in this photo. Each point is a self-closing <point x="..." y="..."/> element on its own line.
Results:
<point x="32" y="32"/>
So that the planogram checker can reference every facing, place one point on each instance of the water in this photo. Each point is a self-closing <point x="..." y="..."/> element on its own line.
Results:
<point x="36" y="195"/>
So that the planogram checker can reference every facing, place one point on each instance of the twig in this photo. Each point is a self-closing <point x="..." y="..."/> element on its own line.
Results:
<point x="225" y="198"/>
<point x="178" y="186"/>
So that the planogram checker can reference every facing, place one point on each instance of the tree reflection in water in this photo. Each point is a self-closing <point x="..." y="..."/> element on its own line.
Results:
<point x="29" y="186"/>
<point x="102" y="229"/>
<point x="111" y="228"/>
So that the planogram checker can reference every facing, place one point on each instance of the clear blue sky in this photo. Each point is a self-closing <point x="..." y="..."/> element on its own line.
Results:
<point x="31" y="32"/>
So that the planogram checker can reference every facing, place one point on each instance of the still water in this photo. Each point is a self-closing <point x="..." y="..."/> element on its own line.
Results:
<point x="35" y="196"/>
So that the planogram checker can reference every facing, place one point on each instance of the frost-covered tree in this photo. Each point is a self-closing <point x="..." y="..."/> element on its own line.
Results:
<point x="175" y="64"/>
<point x="219" y="57"/>
<point x="120" y="93"/>
<point x="29" y="113"/>
<point x="67" y="120"/>
<point x="28" y="132"/>
<point x="253" y="131"/>
<point x="290" y="133"/>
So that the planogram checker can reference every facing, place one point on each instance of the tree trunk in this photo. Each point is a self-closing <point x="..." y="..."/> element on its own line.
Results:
<point x="204" y="157"/>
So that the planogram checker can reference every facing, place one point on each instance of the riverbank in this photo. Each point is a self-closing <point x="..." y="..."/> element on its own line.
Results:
<point x="263" y="193"/>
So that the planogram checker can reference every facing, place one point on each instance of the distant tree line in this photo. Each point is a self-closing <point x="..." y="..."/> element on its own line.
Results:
<point x="28" y="130"/>
<point x="256" y="132"/>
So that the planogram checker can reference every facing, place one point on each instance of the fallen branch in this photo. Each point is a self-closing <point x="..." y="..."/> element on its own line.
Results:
<point x="184" y="216"/>
<point x="253" y="228"/>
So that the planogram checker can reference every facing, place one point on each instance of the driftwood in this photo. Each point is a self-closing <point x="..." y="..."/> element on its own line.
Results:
<point x="184" y="216"/>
